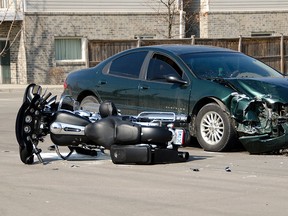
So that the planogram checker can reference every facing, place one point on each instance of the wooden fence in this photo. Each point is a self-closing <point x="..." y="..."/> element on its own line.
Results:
<point x="272" y="50"/>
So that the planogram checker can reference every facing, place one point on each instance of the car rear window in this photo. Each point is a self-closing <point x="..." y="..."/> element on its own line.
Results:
<point x="128" y="65"/>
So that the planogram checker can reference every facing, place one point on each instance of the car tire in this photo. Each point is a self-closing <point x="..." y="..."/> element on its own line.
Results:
<point x="214" y="129"/>
<point x="90" y="103"/>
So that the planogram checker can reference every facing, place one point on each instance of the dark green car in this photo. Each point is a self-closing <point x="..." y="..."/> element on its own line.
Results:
<point x="227" y="96"/>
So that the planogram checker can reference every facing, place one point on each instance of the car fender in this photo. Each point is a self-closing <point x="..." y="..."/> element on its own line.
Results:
<point x="199" y="105"/>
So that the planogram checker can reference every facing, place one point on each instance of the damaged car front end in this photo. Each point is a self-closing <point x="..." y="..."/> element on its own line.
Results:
<point x="261" y="119"/>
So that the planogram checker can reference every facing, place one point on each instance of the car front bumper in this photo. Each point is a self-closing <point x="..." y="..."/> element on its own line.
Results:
<point x="264" y="143"/>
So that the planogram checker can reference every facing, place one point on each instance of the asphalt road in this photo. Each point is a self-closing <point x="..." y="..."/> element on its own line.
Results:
<point x="252" y="184"/>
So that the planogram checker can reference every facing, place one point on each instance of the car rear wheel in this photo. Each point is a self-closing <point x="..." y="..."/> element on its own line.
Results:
<point x="90" y="103"/>
<point x="214" y="129"/>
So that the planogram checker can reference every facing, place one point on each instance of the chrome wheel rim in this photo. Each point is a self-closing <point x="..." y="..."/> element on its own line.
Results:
<point x="212" y="128"/>
<point x="90" y="105"/>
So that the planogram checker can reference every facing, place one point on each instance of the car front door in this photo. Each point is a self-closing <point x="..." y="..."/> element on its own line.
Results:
<point x="164" y="87"/>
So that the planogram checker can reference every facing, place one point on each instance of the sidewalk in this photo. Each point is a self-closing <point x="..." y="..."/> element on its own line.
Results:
<point x="21" y="88"/>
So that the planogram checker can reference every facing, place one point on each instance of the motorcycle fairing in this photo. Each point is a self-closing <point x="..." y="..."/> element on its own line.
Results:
<point x="28" y="129"/>
<point x="25" y="146"/>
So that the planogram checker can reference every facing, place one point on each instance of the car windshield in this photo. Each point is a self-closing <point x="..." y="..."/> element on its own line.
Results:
<point x="227" y="65"/>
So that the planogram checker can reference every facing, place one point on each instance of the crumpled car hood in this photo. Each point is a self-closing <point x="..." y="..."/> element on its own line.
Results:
<point x="260" y="109"/>
<point x="276" y="88"/>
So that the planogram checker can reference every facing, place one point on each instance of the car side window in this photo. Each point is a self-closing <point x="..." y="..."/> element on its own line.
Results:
<point x="161" y="66"/>
<point x="128" y="65"/>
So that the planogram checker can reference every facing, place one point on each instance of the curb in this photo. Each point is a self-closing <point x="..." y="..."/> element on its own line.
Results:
<point x="20" y="88"/>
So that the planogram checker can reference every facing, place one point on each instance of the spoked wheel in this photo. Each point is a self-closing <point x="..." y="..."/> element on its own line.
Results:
<point x="90" y="103"/>
<point x="214" y="129"/>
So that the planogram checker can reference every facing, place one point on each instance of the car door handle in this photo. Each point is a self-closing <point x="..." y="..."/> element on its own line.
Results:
<point x="102" y="82"/>
<point x="143" y="87"/>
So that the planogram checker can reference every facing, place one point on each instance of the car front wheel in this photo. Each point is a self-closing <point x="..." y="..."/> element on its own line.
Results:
<point x="90" y="103"/>
<point x="214" y="129"/>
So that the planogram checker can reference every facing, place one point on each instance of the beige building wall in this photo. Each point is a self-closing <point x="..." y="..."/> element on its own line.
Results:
<point x="234" y="24"/>
<point x="41" y="29"/>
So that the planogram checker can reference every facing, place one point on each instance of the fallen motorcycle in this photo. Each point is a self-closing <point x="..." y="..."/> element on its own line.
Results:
<point x="148" y="138"/>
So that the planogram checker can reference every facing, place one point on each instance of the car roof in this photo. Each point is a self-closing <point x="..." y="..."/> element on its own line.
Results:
<point x="179" y="49"/>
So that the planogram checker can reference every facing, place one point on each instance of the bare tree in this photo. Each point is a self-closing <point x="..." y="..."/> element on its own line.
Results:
<point x="192" y="10"/>
<point x="171" y="12"/>
<point x="167" y="11"/>
<point x="9" y="37"/>
<point x="174" y="13"/>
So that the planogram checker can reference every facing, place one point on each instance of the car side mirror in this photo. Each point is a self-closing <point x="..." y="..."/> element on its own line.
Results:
<point x="174" y="79"/>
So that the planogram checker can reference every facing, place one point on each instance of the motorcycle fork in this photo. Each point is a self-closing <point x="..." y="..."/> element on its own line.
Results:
<point x="36" y="150"/>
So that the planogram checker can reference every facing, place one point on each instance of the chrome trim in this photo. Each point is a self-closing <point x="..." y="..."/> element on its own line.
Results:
<point x="163" y="116"/>
<point x="66" y="129"/>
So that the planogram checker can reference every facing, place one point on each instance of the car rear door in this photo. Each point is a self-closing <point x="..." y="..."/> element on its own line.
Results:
<point x="156" y="92"/>
<point x="120" y="81"/>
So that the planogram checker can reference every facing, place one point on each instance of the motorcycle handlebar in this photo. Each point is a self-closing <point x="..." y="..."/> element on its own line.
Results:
<point x="47" y="96"/>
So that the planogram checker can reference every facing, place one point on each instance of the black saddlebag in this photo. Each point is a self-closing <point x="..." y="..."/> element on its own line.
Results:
<point x="144" y="154"/>
<point x="130" y="154"/>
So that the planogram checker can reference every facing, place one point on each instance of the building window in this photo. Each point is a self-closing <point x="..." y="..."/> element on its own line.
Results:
<point x="69" y="49"/>
<point x="262" y="34"/>
<point x="3" y="3"/>
<point x="144" y="36"/>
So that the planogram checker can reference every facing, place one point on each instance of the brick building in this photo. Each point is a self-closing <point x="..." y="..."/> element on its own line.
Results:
<point x="51" y="37"/>
<point x="55" y="34"/>
<point x="226" y="18"/>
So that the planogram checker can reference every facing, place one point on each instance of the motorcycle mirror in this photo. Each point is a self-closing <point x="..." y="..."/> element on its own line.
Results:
<point x="37" y="90"/>
<point x="31" y="90"/>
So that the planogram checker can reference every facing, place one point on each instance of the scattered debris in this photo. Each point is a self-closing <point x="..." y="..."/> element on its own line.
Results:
<point x="74" y="166"/>
<point x="227" y="169"/>
<point x="195" y="169"/>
